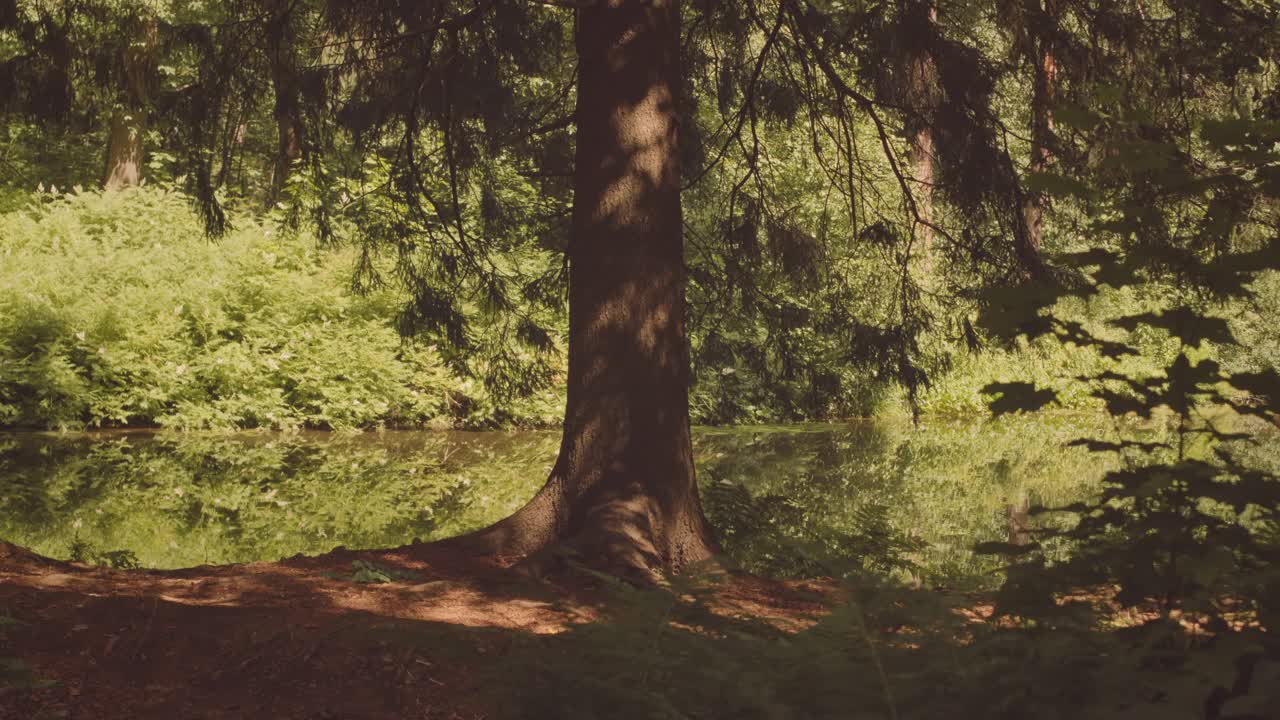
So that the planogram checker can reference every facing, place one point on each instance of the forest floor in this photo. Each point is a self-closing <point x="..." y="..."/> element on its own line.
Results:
<point x="301" y="638"/>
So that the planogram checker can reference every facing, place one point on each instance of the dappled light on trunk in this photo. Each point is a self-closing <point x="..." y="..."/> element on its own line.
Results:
<point x="622" y="493"/>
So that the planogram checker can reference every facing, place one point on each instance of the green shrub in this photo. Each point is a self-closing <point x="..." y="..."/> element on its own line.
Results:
<point x="1050" y="362"/>
<point x="116" y="310"/>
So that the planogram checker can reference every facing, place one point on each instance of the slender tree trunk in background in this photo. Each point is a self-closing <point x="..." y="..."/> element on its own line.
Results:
<point x="124" y="150"/>
<point x="281" y="55"/>
<point x="1043" y="96"/>
<point x="622" y="492"/>
<point x="922" y="77"/>
<point x="1020" y="521"/>
<point x="129" y="124"/>
<point x="922" y="162"/>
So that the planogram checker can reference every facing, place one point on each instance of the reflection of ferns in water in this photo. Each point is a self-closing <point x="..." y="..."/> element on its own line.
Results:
<point x="770" y="534"/>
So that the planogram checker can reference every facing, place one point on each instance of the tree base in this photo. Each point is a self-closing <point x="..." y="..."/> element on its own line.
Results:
<point x="628" y="536"/>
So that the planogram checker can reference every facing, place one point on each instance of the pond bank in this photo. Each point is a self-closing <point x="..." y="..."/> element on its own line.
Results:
<point x="454" y="637"/>
<point x="301" y="638"/>
<point x="175" y="500"/>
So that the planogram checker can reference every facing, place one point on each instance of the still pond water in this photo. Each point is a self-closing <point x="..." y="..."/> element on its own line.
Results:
<point x="789" y="500"/>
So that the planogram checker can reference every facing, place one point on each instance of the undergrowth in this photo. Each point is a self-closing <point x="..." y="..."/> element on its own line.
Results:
<point x="881" y="650"/>
<point x="116" y="310"/>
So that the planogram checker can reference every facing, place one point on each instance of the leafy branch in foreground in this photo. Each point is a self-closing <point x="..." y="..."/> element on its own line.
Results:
<point x="1184" y="531"/>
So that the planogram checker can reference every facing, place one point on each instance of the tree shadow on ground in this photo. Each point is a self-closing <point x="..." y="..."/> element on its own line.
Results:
<point x="470" y="639"/>
<point x="299" y="638"/>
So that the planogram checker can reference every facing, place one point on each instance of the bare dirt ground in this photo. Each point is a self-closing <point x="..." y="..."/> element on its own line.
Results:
<point x="297" y="638"/>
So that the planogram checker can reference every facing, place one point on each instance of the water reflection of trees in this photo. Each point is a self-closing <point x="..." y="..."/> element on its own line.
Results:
<point x="887" y="497"/>
<point x="183" y="500"/>
<point x="879" y="495"/>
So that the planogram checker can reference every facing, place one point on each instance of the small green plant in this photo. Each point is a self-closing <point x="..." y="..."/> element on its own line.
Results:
<point x="363" y="571"/>
<point x="118" y="559"/>
<point x="82" y="551"/>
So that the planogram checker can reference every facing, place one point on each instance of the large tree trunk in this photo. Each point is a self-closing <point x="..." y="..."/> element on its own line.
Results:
<point x="1043" y="95"/>
<point x="285" y="79"/>
<point x="128" y="123"/>
<point x="622" y="493"/>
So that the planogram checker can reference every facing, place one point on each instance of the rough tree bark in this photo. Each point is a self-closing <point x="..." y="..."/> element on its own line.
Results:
<point x="622" y="492"/>
<point x="1043" y="95"/>
<point x="129" y="122"/>
<point x="285" y="80"/>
